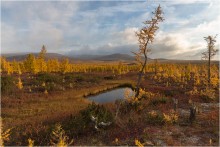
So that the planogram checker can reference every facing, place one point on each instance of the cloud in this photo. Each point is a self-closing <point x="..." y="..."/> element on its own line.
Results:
<point x="126" y="36"/>
<point x="103" y="50"/>
<point x="27" y="26"/>
<point x="184" y="42"/>
<point x="7" y="36"/>
<point x="184" y="2"/>
<point x="107" y="27"/>
<point x="44" y="33"/>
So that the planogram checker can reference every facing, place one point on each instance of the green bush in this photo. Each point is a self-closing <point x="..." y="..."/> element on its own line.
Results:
<point x="98" y="111"/>
<point x="79" y="78"/>
<point x="82" y="123"/>
<point x="52" y="87"/>
<point x="157" y="101"/>
<point x="48" y="77"/>
<point x="69" y="77"/>
<point x="94" y="80"/>
<point x="7" y="85"/>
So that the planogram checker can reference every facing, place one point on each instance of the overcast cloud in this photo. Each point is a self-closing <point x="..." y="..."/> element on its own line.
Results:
<point x="106" y="27"/>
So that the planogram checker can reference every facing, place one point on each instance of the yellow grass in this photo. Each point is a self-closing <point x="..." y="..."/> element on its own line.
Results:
<point x="39" y="108"/>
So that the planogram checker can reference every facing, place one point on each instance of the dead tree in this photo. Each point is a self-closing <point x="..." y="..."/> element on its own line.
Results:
<point x="175" y="104"/>
<point x="145" y="37"/>
<point x="210" y="53"/>
<point x="192" y="115"/>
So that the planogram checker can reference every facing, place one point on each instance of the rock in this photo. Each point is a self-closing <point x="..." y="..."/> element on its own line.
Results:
<point x="206" y="107"/>
<point x="193" y="140"/>
<point x="159" y="142"/>
<point x="168" y="133"/>
<point x="148" y="143"/>
<point x="183" y="112"/>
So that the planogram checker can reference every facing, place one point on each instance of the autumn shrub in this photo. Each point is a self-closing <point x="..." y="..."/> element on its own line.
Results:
<point x="4" y="135"/>
<point x="156" y="101"/>
<point x="170" y="118"/>
<point x="138" y="143"/>
<point x="7" y="84"/>
<point x="59" y="137"/>
<point x="146" y="94"/>
<point x="127" y="106"/>
<point x="30" y="142"/>
<point x="208" y="94"/>
<point x="130" y="102"/>
<point x="154" y="117"/>
<point x="194" y="91"/>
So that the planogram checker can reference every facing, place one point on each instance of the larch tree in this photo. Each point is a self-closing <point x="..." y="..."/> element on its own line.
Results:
<point x="210" y="53"/>
<point x="42" y="52"/>
<point x="50" y="65"/>
<point x="6" y="66"/>
<point x="29" y="63"/>
<point x="56" y="65"/>
<point x="16" y="67"/>
<point x="145" y="37"/>
<point x="3" y="64"/>
<point x="19" y="84"/>
<point x="41" y="59"/>
<point x="65" y="66"/>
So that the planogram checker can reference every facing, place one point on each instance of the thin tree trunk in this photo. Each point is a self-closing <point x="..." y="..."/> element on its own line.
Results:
<point x="141" y="73"/>
<point x="139" y="79"/>
<point x="209" y="67"/>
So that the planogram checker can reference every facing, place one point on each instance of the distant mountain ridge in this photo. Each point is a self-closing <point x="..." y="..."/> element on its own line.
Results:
<point x="88" y="58"/>
<point x="20" y="57"/>
<point x="110" y="57"/>
<point x="113" y="57"/>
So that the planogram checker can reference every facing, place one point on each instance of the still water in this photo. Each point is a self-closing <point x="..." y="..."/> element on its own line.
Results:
<point x="110" y="96"/>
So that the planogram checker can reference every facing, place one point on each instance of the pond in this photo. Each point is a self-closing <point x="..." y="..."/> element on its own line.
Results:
<point x="110" y="96"/>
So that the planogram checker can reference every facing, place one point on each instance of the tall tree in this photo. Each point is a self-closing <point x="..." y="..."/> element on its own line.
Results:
<point x="146" y="37"/>
<point x="65" y="66"/>
<point x="210" y="53"/>
<point x="30" y="64"/>
<point x="41" y="59"/>
<point x="42" y="52"/>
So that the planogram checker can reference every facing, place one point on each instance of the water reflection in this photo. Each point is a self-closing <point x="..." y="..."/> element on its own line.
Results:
<point x="110" y="96"/>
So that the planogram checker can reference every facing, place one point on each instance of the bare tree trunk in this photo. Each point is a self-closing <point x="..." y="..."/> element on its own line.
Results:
<point x="208" y="55"/>
<point x="209" y="67"/>
<point x="140" y="76"/>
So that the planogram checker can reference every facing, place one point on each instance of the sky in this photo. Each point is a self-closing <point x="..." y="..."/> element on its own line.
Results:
<point x="107" y="27"/>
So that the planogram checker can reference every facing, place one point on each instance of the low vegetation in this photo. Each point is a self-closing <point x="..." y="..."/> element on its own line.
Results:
<point x="49" y="98"/>
<point x="43" y="102"/>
